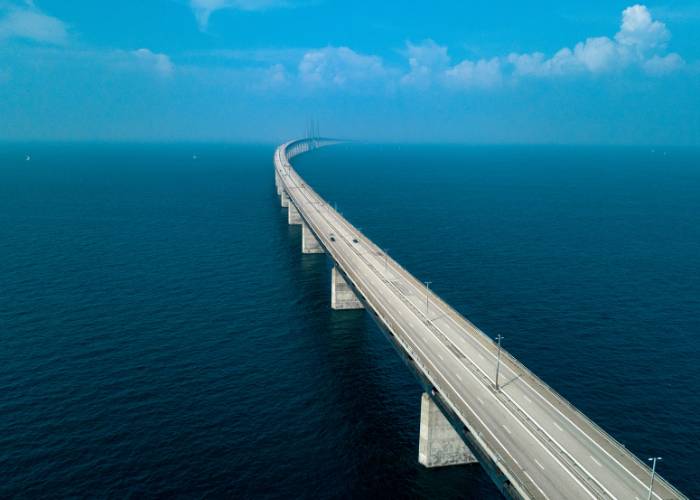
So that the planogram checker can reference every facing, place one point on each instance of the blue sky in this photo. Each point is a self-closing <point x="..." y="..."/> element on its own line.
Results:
<point x="257" y="70"/>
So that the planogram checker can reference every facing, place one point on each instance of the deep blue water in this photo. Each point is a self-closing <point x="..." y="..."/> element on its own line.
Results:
<point x="161" y="335"/>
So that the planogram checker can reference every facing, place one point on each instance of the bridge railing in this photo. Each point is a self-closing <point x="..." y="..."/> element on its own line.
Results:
<point x="301" y="146"/>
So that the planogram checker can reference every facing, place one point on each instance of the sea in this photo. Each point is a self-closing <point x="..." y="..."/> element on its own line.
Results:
<point x="162" y="336"/>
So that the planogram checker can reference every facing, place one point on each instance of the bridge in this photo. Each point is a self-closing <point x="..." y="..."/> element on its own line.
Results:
<point x="479" y="403"/>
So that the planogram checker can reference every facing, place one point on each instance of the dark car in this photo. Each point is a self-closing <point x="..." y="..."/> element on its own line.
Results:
<point x="354" y="240"/>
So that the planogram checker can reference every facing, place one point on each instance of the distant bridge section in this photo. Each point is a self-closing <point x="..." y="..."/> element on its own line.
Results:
<point x="530" y="440"/>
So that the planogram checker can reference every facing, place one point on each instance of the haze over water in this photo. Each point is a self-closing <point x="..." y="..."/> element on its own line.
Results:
<point x="161" y="333"/>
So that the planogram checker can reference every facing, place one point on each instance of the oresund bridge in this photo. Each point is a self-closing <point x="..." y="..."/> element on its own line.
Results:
<point x="480" y="404"/>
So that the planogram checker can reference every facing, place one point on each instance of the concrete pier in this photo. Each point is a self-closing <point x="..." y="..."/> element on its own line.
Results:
<point x="284" y="199"/>
<point x="293" y="216"/>
<point x="309" y="243"/>
<point x="342" y="296"/>
<point x="439" y="443"/>
<point x="278" y="184"/>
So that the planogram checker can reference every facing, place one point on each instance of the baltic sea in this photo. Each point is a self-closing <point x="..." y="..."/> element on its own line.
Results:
<point x="161" y="334"/>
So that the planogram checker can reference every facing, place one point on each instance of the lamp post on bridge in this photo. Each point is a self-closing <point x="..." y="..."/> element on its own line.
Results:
<point x="653" y="473"/>
<point x="498" y="358"/>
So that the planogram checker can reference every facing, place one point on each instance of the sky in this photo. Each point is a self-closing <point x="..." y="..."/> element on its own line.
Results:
<point x="576" y="72"/>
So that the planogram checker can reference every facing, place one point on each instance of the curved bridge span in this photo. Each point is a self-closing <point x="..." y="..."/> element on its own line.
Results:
<point x="530" y="440"/>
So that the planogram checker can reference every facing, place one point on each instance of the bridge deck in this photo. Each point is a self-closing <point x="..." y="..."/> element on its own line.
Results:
<point x="539" y="441"/>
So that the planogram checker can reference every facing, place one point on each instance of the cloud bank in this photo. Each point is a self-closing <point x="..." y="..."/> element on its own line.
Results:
<point x="640" y="43"/>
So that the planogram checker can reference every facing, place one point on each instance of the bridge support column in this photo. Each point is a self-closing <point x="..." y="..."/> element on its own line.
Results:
<point x="284" y="199"/>
<point x="439" y="443"/>
<point x="278" y="183"/>
<point x="309" y="243"/>
<point x="342" y="296"/>
<point x="293" y="216"/>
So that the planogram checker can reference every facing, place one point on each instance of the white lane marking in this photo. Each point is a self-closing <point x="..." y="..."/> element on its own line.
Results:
<point x="596" y="461"/>
<point x="440" y="356"/>
<point x="591" y="476"/>
<point x="359" y="277"/>
<point x="539" y="464"/>
<point x="460" y="378"/>
<point x="506" y="428"/>
<point x="527" y="399"/>
<point x="595" y="443"/>
<point x="480" y="346"/>
<point x="558" y="426"/>
<point x="481" y="401"/>
<point x="565" y="468"/>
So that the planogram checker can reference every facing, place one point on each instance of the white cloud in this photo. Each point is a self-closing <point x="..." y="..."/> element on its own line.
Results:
<point x="429" y="63"/>
<point x="29" y="23"/>
<point x="639" y="32"/>
<point x="638" y="42"/>
<point x="596" y="54"/>
<point x="160" y="63"/>
<point x="339" y="67"/>
<point x="203" y="9"/>
<point x="482" y="73"/>
<point x="658" y="65"/>
<point x="425" y="60"/>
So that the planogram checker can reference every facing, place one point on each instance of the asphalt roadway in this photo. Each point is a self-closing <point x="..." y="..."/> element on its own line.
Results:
<point x="542" y="444"/>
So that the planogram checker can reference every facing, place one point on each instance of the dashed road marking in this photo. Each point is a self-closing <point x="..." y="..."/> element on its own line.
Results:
<point x="596" y="461"/>
<point x="506" y="428"/>
<point x="539" y="464"/>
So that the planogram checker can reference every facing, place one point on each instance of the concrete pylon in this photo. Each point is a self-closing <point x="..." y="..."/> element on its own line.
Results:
<point x="293" y="216"/>
<point x="309" y="242"/>
<point x="284" y="199"/>
<point x="342" y="296"/>
<point x="439" y="444"/>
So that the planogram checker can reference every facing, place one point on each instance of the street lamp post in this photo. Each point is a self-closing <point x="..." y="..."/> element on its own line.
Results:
<point x="498" y="358"/>
<point x="427" y="296"/>
<point x="653" y="473"/>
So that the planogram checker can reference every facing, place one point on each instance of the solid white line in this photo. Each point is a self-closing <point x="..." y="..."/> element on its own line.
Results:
<point x="479" y="345"/>
<point x="591" y="476"/>
<point x="339" y="256"/>
<point x="459" y="328"/>
<point x="467" y="405"/>
<point x="439" y="343"/>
